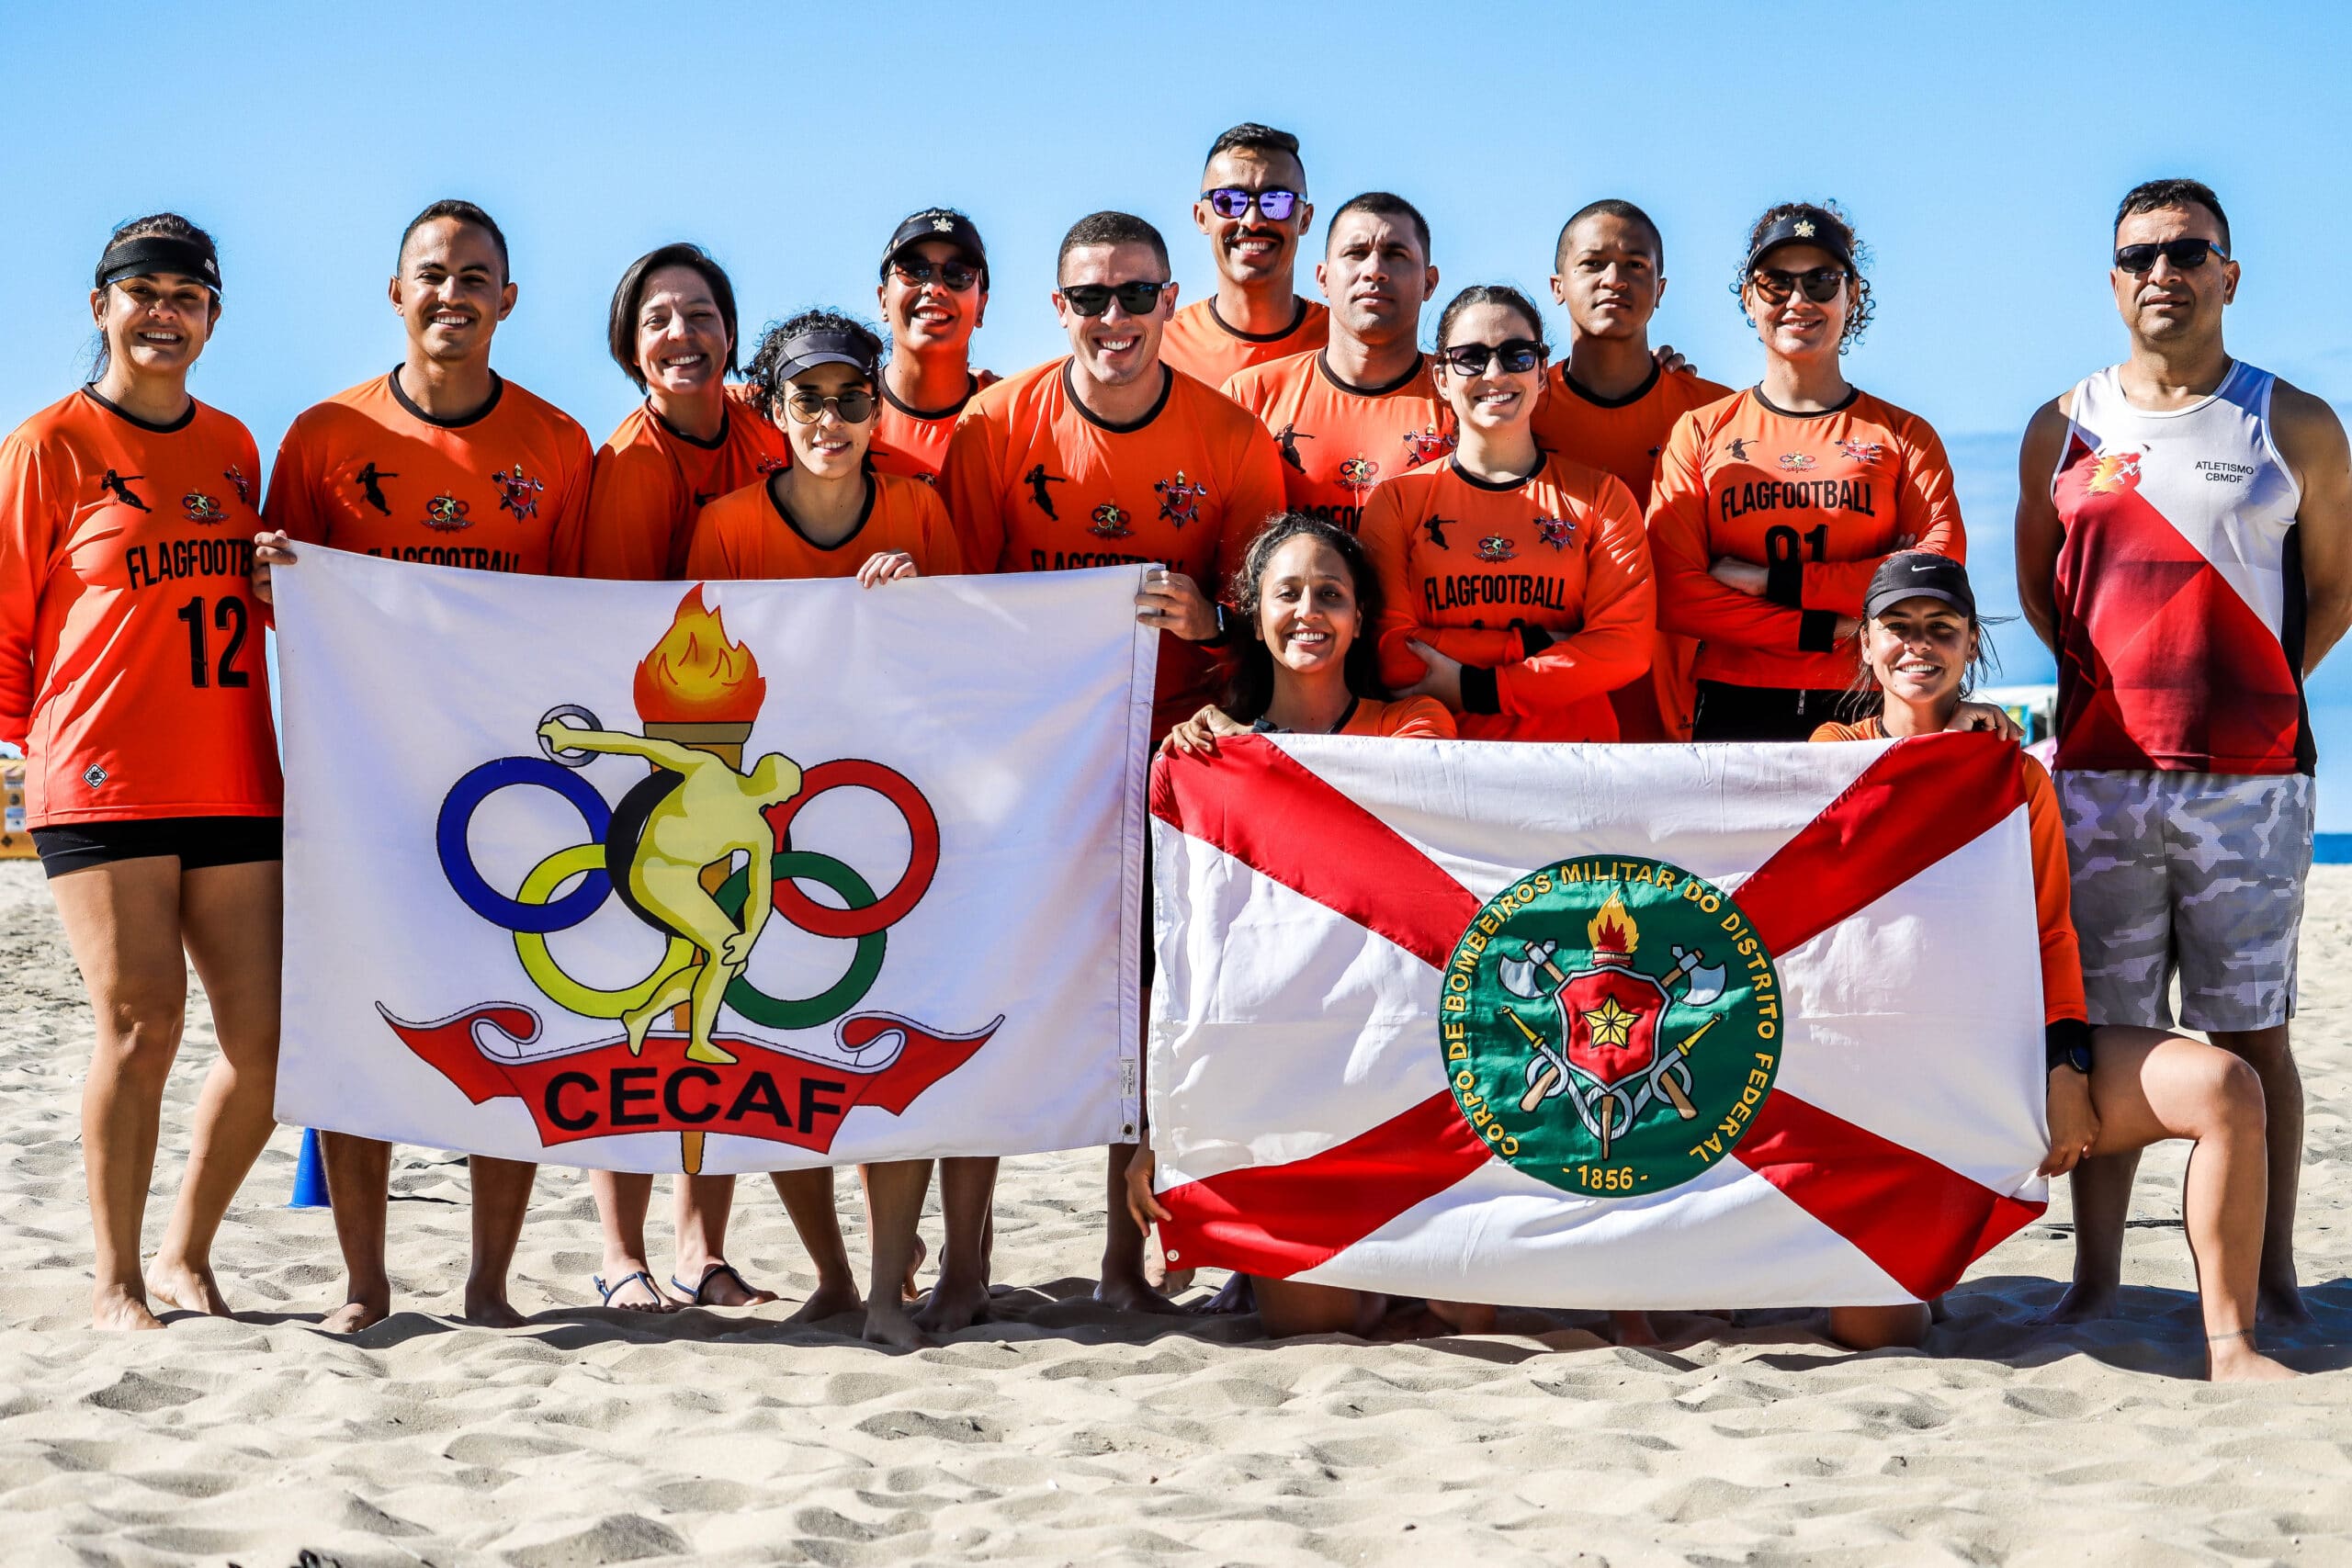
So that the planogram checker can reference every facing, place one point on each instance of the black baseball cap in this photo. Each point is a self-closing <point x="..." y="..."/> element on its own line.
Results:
<point x="940" y="223"/>
<point x="1804" y="226"/>
<point x="826" y="345"/>
<point x="1920" y="574"/>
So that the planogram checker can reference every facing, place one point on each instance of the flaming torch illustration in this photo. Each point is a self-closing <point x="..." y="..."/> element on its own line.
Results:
<point x="697" y="687"/>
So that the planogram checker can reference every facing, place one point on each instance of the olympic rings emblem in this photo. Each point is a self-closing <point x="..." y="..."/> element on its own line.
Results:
<point x="539" y="909"/>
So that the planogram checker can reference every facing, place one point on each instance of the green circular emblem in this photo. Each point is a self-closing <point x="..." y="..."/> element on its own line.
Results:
<point x="1610" y="1025"/>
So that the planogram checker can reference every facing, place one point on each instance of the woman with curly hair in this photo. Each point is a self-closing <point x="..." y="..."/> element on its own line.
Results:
<point x="1773" y="507"/>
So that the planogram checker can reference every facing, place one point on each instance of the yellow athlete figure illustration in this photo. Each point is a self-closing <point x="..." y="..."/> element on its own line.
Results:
<point x="714" y="812"/>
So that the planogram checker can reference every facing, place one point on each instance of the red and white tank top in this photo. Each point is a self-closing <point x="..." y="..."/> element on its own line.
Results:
<point x="2180" y="585"/>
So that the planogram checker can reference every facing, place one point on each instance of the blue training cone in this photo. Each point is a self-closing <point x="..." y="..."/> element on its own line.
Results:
<point x="310" y="1175"/>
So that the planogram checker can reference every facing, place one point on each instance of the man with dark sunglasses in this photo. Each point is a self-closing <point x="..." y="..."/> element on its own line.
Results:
<point x="1253" y="208"/>
<point x="1362" y="408"/>
<point x="1611" y="404"/>
<point x="935" y="292"/>
<point x="1146" y="464"/>
<point x="2184" y="541"/>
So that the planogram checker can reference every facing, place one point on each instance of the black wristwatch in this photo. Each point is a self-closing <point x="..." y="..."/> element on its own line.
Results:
<point x="2067" y="1043"/>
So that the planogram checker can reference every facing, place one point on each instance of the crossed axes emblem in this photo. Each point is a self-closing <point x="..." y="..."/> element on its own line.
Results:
<point x="1549" y="1072"/>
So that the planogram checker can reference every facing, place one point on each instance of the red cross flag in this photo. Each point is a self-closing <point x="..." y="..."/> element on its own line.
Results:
<point x="1597" y="1026"/>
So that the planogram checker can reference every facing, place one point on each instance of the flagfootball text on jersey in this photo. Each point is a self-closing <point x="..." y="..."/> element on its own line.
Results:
<point x="1198" y="343"/>
<point x="1036" y="482"/>
<point x="1623" y="436"/>
<point x="2181" y="594"/>
<point x="1541" y="588"/>
<point x="1337" y="441"/>
<point x="130" y="650"/>
<point x="504" y="490"/>
<point x="913" y="441"/>
<point x="650" y="479"/>
<point x="749" y="534"/>
<point x="1818" y="499"/>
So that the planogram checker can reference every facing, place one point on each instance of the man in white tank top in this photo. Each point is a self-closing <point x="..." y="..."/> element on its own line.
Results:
<point x="2185" y="548"/>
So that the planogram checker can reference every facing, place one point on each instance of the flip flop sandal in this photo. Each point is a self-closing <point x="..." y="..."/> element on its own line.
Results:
<point x="663" y="1303"/>
<point x="695" y="1292"/>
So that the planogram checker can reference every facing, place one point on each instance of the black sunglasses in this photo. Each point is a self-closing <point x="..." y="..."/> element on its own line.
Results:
<point x="1093" y="299"/>
<point x="956" y="275"/>
<point x="1517" y="355"/>
<point x="1820" y="284"/>
<point x="808" y="408"/>
<point x="2185" y="256"/>
<point x="1274" y="205"/>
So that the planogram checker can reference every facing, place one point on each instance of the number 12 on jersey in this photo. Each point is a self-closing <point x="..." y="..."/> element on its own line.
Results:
<point x="227" y="616"/>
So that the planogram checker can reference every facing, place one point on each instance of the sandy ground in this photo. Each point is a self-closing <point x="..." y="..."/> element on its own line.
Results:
<point x="1070" y="1434"/>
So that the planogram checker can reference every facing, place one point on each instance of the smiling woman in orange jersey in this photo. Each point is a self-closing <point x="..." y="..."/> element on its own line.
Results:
<point x="132" y="673"/>
<point x="671" y="330"/>
<point x="444" y="462"/>
<point x="2112" y="1089"/>
<point x="1518" y="582"/>
<point x="830" y="514"/>
<point x="934" y="293"/>
<point x="1772" y="508"/>
<point x="1253" y="208"/>
<point x="1365" y="406"/>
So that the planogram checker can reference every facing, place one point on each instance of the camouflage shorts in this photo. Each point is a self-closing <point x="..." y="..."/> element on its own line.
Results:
<point x="2196" y="873"/>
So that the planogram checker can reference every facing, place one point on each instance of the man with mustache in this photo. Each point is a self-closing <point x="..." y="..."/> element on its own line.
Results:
<point x="477" y="473"/>
<point x="1254" y="209"/>
<point x="2184" y="540"/>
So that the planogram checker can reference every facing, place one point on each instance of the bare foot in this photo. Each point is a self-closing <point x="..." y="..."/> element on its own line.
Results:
<point x="2237" y="1360"/>
<point x="912" y="1290"/>
<point x="1131" y="1293"/>
<point x="119" y="1307"/>
<point x="720" y="1286"/>
<point x="2081" y="1304"/>
<point x="487" y="1309"/>
<point x="831" y="1298"/>
<point x="357" y="1313"/>
<point x="1634" y="1328"/>
<point x="2281" y="1303"/>
<point x="1464" y="1317"/>
<point x="627" y="1286"/>
<point x="887" y="1322"/>
<point x="1238" y="1294"/>
<point x="182" y="1285"/>
<point x="952" y="1305"/>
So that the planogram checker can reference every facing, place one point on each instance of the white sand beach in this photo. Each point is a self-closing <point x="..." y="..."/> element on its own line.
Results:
<point x="1065" y="1433"/>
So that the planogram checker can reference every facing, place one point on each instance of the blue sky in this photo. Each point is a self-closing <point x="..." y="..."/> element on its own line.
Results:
<point x="1980" y="148"/>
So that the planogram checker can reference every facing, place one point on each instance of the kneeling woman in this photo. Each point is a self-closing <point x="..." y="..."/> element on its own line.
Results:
<point x="830" y="514"/>
<point x="1308" y="597"/>
<point x="2111" y="1089"/>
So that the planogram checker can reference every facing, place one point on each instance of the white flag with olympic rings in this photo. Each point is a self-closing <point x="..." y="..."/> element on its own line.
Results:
<point x="724" y="877"/>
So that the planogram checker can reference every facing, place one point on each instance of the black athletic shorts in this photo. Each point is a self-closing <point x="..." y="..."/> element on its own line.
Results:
<point x="1150" y="966"/>
<point x="1770" y="713"/>
<point x="198" y="841"/>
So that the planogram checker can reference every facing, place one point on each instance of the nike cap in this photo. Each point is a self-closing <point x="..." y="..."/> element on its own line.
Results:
<point x="1918" y="574"/>
<point x="1804" y="226"/>
<point x="940" y="223"/>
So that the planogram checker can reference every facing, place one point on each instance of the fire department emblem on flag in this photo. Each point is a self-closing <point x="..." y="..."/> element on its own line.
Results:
<point x="1611" y="1026"/>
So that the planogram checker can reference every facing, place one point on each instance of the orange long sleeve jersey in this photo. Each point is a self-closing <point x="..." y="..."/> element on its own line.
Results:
<point x="1820" y="500"/>
<point x="2062" y="958"/>
<point x="913" y="442"/>
<point x="131" y="655"/>
<point x="504" y="491"/>
<point x="1199" y="343"/>
<point x="1337" y="441"/>
<point x="1541" y="588"/>
<point x="649" y="480"/>
<point x="748" y="534"/>
<point x="1624" y="436"/>
<point x="1036" y="484"/>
